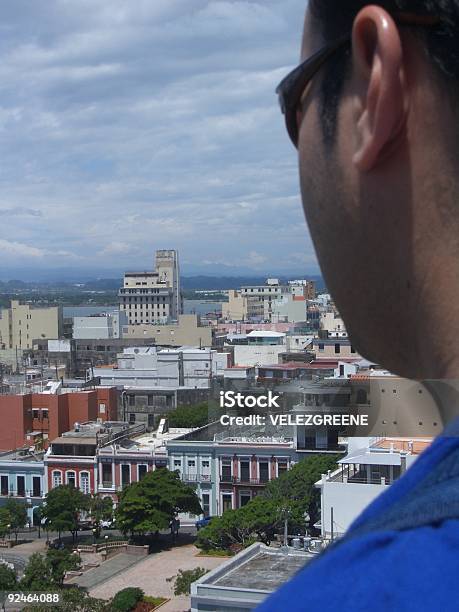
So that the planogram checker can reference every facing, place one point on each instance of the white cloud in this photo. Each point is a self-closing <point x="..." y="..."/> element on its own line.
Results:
<point x="133" y="126"/>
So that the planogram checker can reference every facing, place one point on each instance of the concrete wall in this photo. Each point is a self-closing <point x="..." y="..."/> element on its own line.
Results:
<point x="245" y="355"/>
<point x="348" y="500"/>
<point x="187" y="332"/>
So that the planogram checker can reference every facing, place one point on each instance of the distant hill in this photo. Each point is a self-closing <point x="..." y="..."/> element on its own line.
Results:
<point x="189" y="283"/>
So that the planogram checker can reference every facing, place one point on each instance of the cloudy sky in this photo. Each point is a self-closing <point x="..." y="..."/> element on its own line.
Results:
<point x="131" y="126"/>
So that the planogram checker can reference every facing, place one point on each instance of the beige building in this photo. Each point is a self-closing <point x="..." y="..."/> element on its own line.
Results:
<point x="153" y="297"/>
<point x="333" y="324"/>
<point x="236" y="307"/>
<point x="187" y="332"/>
<point x="21" y="324"/>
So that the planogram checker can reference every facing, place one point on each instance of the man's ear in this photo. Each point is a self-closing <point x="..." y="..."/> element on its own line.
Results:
<point x="382" y="99"/>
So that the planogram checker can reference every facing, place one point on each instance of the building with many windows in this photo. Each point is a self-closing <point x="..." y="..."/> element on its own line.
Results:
<point x="153" y="297"/>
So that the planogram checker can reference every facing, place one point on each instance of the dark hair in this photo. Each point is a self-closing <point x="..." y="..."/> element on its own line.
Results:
<point x="335" y="18"/>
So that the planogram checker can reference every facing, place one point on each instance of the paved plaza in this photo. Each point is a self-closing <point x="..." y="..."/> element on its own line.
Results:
<point x="151" y="573"/>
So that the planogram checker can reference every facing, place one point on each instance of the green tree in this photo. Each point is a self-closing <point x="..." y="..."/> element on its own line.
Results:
<point x="74" y="600"/>
<point x="193" y="416"/>
<point x="151" y="504"/>
<point x="4" y="522"/>
<point x="62" y="508"/>
<point x="185" y="578"/>
<point x="37" y="574"/>
<point x="127" y="599"/>
<point x="100" y="508"/>
<point x="8" y="579"/>
<point x="61" y="561"/>
<point x="17" y="515"/>
<point x="296" y="491"/>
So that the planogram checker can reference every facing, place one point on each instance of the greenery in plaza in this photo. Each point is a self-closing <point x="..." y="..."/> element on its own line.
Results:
<point x="74" y="600"/>
<point x="184" y="579"/>
<point x="292" y="496"/>
<point x="151" y="504"/>
<point x="127" y="599"/>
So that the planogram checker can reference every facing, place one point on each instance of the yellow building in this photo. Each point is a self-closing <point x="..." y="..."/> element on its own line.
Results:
<point x="21" y="324"/>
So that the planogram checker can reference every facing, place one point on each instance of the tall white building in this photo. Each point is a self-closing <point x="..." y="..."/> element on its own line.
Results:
<point x="153" y="297"/>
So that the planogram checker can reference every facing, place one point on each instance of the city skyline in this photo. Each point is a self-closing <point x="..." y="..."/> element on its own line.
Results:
<point x="133" y="127"/>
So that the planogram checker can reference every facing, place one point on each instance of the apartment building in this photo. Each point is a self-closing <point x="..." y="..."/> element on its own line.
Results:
<point x="333" y="324"/>
<point x="21" y="324"/>
<point x="153" y="297"/>
<point x="370" y="466"/>
<point x="333" y="348"/>
<point x="72" y="459"/>
<point x="231" y="465"/>
<point x="22" y="477"/>
<point x="102" y="458"/>
<point x="273" y="302"/>
<point x="33" y="418"/>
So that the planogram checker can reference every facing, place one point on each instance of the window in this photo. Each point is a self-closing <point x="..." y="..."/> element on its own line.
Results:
<point x="282" y="467"/>
<point x="84" y="482"/>
<point x="71" y="479"/>
<point x="177" y="464"/>
<point x="142" y="470"/>
<point x="107" y="478"/>
<point x="102" y="408"/>
<point x="226" y="470"/>
<point x="321" y="346"/>
<point x="44" y="413"/>
<point x="227" y="502"/>
<point x="57" y="479"/>
<point x="20" y="486"/>
<point x="131" y="400"/>
<point x="337" y="348"/>
<point x="35" y="413"/>
<point x="245" y="470"/>
<point x="264" y="471"/>
<point x="205" y="503"/>
<point x="131" y="418"/>
<point x="36" y="486"/>
<point x="125" y="475"/>
<point x="4" y="485"/>
<point x="244" y="498"/>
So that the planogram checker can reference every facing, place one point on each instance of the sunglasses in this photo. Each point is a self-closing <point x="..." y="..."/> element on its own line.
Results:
<point x="291" y="88"/>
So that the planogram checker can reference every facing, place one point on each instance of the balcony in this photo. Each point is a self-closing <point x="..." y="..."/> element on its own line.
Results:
<point x="243" y="480"/>
<point x="107" y="484"/>
<point x="196" y="477"/>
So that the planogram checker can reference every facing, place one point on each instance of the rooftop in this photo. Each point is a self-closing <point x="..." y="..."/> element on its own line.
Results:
<point x="249" y="577"/>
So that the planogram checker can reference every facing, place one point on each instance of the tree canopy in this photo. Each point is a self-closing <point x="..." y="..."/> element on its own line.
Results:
<point x="150" y="505"/>
<point x="62" y="507"/>
<point x="192" y="416"/>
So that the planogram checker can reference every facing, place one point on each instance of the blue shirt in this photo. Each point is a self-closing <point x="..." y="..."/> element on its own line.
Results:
<point x="402" y="553"/>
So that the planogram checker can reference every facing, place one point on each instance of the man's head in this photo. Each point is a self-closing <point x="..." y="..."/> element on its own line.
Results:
<point x="378" y="141"/>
